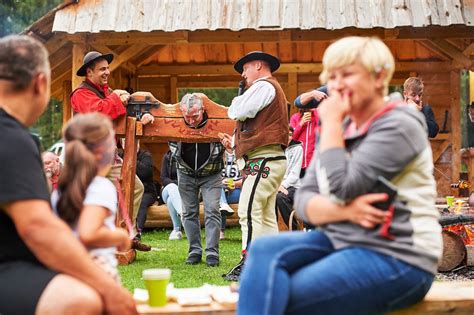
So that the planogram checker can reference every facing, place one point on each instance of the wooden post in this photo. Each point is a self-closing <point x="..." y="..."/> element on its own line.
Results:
<point x="292" y="91"/>
<point x="67" y="110"/>
<point x="174" y="89"/>
<point x="129" y="164"/>
<point x="455" y="82"/>
<point x="471" y="86"/>
<point x="78" y="52"/>
<point x="128" y="181"/>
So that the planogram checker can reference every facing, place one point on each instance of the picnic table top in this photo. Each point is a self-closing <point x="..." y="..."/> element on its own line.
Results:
<point x="173" y="308"/>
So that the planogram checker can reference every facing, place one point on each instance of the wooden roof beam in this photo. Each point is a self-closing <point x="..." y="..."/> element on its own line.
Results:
<point x="243" y="36"/>
<point x="165" y="70"/>
<point x="444" y="48"/>
<point x="56" y="43"/>
<point x="220" y="69"/>
<point x="469" y="50"/>
<point x="140" y="59"/>
<point x="104" y="49"/>
<point x="126" y="55"/>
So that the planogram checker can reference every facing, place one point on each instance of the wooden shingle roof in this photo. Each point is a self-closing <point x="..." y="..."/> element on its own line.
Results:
<point x="93" y="16"/>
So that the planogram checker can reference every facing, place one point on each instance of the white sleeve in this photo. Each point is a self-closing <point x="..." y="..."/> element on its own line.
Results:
<point x="256" y="98"/>
<point x="293" y="170"/>
<point x="101" y="192"/>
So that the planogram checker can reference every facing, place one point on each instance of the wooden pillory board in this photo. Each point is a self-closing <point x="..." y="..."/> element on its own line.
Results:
<point x="169" y="125"/>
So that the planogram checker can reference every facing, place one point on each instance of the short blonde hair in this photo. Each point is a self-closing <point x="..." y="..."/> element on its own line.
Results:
<point x="370" y="52"/>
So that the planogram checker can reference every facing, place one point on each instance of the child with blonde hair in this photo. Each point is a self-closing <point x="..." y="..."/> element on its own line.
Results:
<point x="85" y="198"/>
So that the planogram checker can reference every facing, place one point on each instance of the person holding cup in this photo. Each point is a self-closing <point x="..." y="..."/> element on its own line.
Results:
<point x="305" y="123"/>
<point x="232" y="181"/>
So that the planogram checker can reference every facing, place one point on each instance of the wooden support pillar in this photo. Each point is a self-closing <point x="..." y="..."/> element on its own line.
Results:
<point x="128" y="182"/>
<point x="455" y="82"/>
<point x="129" y="164"/>
<point x="471" y="87"/>
<point x="67" y="109"/>
<point x="292" y="91"/>
<point x="78" y="52"/>
<point x="174" y="89"/>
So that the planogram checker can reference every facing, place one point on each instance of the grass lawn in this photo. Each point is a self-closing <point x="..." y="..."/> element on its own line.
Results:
<point x="172" y="254"/>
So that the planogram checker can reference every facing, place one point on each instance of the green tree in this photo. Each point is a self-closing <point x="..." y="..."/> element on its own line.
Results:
<point x="221" y="96"/>
<point x="16" y="16"/>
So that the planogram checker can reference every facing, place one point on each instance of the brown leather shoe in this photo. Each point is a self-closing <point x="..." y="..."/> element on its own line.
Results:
<point x="136" y="244"/>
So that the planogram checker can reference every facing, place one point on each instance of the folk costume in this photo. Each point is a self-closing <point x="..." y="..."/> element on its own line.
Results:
<point x="260" y="138"/>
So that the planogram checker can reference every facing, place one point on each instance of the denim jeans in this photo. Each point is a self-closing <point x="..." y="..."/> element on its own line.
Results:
<point x="211" y="188"/>
<point x="172" y="199"/>
<point x="301" y="273"/>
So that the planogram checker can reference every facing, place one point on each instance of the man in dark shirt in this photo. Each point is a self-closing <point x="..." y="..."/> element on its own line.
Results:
<point x="199" y="168"/>
<point x="145" y="173"/>
<point x="43" y="267"/>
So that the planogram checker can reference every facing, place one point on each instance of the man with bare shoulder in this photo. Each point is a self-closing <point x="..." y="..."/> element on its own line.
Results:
<point x="44" y="269"/>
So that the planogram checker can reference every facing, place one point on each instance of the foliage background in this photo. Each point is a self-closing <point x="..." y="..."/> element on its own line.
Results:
<point x="15" y="16"/>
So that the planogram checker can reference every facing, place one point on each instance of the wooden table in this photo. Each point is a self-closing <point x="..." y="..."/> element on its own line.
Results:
<point x="173" y="308"/>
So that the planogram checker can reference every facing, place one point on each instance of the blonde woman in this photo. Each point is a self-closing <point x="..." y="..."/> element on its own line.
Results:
<point x="362" y="260"/>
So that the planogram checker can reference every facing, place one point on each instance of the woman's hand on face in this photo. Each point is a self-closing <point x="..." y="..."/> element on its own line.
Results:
<point x="361" y="211"/>
<point x="335" y="107"/>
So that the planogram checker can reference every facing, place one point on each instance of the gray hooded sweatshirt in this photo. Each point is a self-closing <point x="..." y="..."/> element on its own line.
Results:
<point x="393" y="145"/>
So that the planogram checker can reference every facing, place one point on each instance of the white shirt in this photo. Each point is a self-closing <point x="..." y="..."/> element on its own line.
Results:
<point x="100" y="192"/>
<point x="259" y="95"/>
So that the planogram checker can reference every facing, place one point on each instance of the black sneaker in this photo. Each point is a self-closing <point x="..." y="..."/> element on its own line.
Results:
<point x="212" y="261"/>
<point x="234" y="273"/>
<point x="193" y="259"/>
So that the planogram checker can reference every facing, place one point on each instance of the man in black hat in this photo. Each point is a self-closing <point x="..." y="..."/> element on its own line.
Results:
<point x="94" y="95"/>
<point x="258" y="142"/>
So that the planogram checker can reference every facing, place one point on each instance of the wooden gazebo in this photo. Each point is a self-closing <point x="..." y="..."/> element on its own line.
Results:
<point x="163" y="45"/>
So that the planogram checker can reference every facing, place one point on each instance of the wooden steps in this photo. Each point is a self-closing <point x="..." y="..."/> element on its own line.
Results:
<point x="158" y="216"/>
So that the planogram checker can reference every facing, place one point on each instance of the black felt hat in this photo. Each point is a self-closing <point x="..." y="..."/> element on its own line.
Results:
<point x="89" y="58"/>
<point x="273" y="61"/>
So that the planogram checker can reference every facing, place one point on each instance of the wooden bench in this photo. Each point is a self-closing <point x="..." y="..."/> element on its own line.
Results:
<point x="444" y="297"/>
<point x="158" y="216"/>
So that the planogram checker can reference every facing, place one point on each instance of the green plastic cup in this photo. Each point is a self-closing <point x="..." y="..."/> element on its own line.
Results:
<point x="450" y="201"/>
<point x="156" y="281"/>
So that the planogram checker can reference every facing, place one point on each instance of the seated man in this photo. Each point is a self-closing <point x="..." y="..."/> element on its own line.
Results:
<point x="52" y="168"/>
<point x="44" y="269"/>
<point x="232" y="181"/>
<point x="145" y="173"/>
